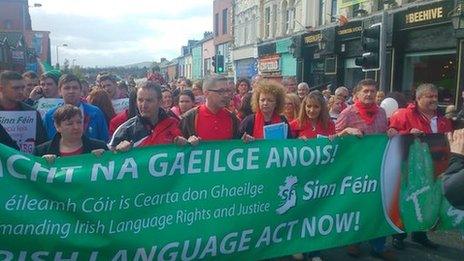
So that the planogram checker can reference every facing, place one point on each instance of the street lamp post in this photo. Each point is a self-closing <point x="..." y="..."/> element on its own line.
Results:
<point x="57" y="57"/>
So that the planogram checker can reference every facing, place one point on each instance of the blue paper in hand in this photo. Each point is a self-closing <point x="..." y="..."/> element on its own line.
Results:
<point x="276" y="131"/>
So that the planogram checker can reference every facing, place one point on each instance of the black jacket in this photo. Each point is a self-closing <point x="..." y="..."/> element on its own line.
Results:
<point x="6" y="139"/>
<point x="53" y="146"/>
<point x="453" y="181"/>
<point x="135" y="129"/>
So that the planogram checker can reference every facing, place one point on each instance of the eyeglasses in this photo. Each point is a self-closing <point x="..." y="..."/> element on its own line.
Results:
<point x="221" y="91"/>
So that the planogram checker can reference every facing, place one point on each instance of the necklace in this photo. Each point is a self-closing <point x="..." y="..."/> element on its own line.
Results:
<point x="313" y="126"/>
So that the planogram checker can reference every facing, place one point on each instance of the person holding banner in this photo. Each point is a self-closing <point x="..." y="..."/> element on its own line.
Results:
<point x="11" y="96"/>
<point x="212" y="121"/>
<point x="268" y="104"/>
<point x="70" y="139"/>
<point x="95" y="125"/>
<point x="417" y="118"/>
<point x="421" y="116"/>
<point x="361" y="118"/>
<point x="151" y="126"/>
<point x="364" y="116"/>
<point x="313" y="119"/>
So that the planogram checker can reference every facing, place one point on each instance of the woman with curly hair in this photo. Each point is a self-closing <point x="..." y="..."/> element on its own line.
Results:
<point x="267" y="104"/>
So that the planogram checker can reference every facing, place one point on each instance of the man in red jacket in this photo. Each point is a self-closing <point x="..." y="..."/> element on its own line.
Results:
<point x="151" y="126"/>
<point x="419" y="117"/>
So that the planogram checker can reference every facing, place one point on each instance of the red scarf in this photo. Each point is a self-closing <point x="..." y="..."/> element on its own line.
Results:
<point x="258" y="127"/>
<point x="367" y="112"/>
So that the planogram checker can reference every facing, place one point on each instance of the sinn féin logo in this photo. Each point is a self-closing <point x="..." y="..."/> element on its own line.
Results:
<point x="287" y="194"/>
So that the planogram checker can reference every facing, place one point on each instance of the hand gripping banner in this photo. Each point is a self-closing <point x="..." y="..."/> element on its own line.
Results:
<point x="225" y="200"/>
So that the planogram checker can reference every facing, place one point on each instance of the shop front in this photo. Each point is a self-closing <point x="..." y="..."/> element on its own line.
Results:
<point x="319" y="68"/>
<point x="349" y="47"/>
<point x="246" y="68"/>
<point x="287" y="61"/>
<point x="269" y="62"/>
<point x="425" y="50"/>
<point x="269" y="67"/>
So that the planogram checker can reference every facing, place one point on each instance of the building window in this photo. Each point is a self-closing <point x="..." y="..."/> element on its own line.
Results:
<point x="253" y="26"/>
<point x="333" y="11"/>
<point x="274" y="20"/>
<point x="245" y="31"/>
<point x="267" y="22"/>
<point x="216" y="24"/>
<point x="224" y="21"/>
<point x="321" y="12"/>
<point x="291" y="15"/>
<point x="352" y="73"/>
<point x="437" y="67"/>
<point x="285" y="17"/>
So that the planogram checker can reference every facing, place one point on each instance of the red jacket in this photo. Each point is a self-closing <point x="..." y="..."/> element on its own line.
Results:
<point x="307" y="131"/>
<point x="118" y="120"/>
<point x="164" y="132"/>
<point x="403" y="120"/>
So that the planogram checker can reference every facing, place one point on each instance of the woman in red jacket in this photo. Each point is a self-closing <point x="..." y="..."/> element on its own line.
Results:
<point x="313" y="119"/>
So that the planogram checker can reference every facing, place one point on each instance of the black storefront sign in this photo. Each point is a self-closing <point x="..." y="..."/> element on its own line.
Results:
<point x="350" y="30"/>
<point x="267" y="49"/>
<point x="424" y="15"/>
<point x="312" y="38"/>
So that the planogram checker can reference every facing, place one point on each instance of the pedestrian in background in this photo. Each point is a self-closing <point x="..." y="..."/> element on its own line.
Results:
<point x="302" y="90"/>
<point x="100" y="99"/>
<point x="292" y="106"/>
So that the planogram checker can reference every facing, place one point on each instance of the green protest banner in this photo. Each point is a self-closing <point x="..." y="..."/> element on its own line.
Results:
<point x="225" y="200"/>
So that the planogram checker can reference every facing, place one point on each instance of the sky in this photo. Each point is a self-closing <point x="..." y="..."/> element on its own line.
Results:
<point x="120" y="32"/>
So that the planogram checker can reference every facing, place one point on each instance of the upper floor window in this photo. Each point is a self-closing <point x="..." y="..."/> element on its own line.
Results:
<point x="267" y="22"/>
<point x="224" y="21"/>
<point x="321" y="12"/>
<point x="333" y="11"/>
<point x="216" y="24"/>
<point x="285" y="16"/>
<point x="274" y="20"/>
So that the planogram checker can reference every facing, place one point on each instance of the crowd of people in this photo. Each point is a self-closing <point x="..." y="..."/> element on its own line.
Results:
<point x="182" y="112"/>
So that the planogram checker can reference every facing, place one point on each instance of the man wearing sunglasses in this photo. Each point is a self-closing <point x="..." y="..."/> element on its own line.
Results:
<point x="212" y="121"/>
